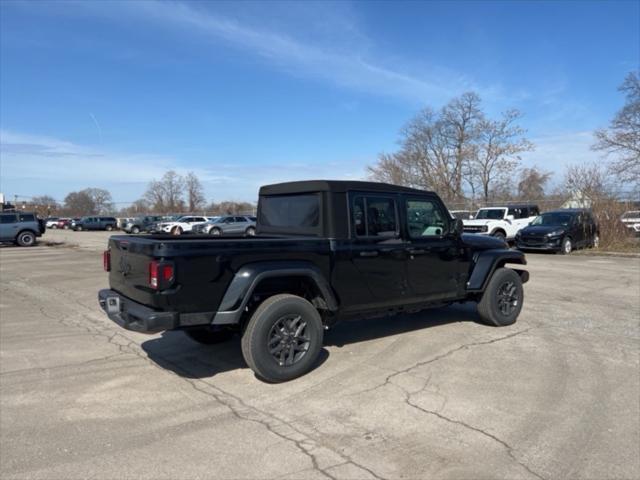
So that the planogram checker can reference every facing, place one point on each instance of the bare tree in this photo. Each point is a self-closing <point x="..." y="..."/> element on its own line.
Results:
<point x="231" y="208"/>
<point x="496" y="155"/>
<point x="195" y="192"/>
<point x="101" y="198"/>
<point x="462" y="119"/>
<point x="455" y="146"/>
<point x="79" y="203"/>
<point x="532" y="183"/>
<point x="165" y="195"/>
<point x="622" y="138"/>
<point x="586" y="183"/>
<point x="434" y="148"/>
<point x="44" y="205"/>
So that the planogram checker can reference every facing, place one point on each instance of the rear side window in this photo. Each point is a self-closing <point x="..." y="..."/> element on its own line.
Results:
<point x="291" y="212"/>
<point x="8" y="218"/>
<point x="425" y="219"/>
<point x="374" y="217"/>
<point x="27" y="217"/>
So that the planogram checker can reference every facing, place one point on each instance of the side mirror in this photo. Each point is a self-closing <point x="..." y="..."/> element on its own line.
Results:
<point x="458" y="227"/>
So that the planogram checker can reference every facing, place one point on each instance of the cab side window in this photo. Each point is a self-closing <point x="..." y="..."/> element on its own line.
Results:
<point x="8" y="218"/>
<point x="374" y="217"/>
<point x="27" y="217"/>
<point x="425" y="218"/>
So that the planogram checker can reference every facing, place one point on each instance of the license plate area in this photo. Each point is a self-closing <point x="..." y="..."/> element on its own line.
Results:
<point x="113" y="304"/>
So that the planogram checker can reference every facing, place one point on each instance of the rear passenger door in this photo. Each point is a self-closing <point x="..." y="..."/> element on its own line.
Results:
<point x="8" y="226"/>
<point x="378" y="250"/>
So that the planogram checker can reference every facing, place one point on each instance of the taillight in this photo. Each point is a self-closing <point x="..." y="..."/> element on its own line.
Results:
<point x="160" y="274"/>
<point x="106" y="260"/>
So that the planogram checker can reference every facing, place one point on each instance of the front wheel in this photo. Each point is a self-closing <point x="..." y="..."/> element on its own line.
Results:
<point x="176" y="231"/>
<point x="108" y="228"/>
<point x="501" y="301"/>
<point x="283" y="338"/>
<point x="566" y="247"/>
<point x="215" y="231"/>
<point x="54" y="227"/>
<point x="595" y="241"/>
<point x="499" y="235"/>
<point x="251" y="231"/>
<point x="135" y="230"/>
<point x="79" y="228"/>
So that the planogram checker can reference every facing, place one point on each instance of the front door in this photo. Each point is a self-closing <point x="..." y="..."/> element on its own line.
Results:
<point x="378" y="250"/>
<point x="436" y="265"/>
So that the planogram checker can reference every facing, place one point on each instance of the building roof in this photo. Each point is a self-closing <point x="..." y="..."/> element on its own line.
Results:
<point x="335" y="186"/>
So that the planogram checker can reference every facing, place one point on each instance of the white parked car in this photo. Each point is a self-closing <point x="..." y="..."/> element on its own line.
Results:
<point x="181" y="225"/>
<point x="52" y="222"/>
<point x="631" y="220"/>
<point x="501" y="222"/>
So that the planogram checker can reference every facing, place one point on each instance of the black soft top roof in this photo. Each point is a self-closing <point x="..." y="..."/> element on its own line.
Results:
<point x="334" y="186"/>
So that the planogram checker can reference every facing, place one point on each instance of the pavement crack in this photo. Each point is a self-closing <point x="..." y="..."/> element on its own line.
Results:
<point x="446" y="354"/>
<point x="511" y="451"/>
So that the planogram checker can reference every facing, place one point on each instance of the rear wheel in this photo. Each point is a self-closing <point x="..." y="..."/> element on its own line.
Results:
<point x="595" y="241"/>
<point x="108" y="228"/>
<point x="501" y="301"/>
<point x="215" y="231"/>
<point x="176" y="231"/>
<point x="208" y="335"/>
<point x="79" y="228"/>
<point x="54" y="226"/>
<point x="135" y="229"/>
<point x="251" y="231"/>
<point x="283" y="338"/>
<point x="26" y="239"/>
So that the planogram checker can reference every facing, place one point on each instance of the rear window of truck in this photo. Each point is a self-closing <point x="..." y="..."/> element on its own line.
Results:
<point x="290" y="213"/>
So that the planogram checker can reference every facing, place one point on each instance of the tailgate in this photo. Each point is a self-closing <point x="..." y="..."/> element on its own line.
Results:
<point x="129" y="273"/>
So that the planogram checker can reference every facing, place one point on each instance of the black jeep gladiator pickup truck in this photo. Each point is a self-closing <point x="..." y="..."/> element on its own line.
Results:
<point x="324" y="251"/>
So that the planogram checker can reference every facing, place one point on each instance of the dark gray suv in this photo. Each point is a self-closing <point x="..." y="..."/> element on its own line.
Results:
<point x="21" y="228"/>
<point x="95" y="223"/>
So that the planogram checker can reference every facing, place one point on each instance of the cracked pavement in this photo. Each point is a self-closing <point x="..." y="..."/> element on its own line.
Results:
<point x="430" y="395"/>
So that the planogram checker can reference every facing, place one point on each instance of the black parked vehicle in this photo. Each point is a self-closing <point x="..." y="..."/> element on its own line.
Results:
<point x="21" y="228"/>
<point x="560" y="231"/>
<point x="95" y="223"/>
<point x="324" y="251"/>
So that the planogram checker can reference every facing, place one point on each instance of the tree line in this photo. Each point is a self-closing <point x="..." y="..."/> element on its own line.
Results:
<point x="470" y="158"/>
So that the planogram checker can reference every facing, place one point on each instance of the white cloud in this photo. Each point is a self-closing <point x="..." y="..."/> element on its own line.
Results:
<point x="35" y="165"/>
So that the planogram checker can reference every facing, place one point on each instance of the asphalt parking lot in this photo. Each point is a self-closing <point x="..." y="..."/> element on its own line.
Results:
<point x="431" y="395"/>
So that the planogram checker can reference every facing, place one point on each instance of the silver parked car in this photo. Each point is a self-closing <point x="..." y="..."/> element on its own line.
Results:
<point x="229" y="225"/>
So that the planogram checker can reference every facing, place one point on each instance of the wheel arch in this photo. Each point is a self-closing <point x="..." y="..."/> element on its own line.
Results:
<point x="488" y="261"/>
<point x="271" y="278"/>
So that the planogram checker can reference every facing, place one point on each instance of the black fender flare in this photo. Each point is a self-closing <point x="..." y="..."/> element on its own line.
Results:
<point x="486" y="262"/>
<point x="248" y="277"/>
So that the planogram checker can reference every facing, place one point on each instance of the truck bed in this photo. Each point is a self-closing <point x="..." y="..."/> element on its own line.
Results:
<point x="204" y="265"/>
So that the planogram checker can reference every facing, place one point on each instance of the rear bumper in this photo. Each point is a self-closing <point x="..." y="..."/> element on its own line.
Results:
<point x="134" y="316"/>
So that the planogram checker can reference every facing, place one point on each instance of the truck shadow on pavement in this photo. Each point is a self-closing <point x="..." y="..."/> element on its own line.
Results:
<point x="176" y="352"/>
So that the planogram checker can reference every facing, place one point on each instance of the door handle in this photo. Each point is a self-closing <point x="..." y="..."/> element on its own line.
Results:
<point x="369" y="253"/>
<point x="416" y="251"/>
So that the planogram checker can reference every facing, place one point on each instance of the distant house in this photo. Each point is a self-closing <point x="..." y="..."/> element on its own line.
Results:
<point x="577" y="200"/>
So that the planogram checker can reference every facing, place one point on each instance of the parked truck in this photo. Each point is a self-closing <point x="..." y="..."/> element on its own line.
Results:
<point x="324" y="251"/>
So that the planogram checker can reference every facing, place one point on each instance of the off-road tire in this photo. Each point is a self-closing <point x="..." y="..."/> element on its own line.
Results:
<point x="566" y="246"/>
<point x="489" y="306"/>
<point x="208" y="336"/>
<point x="499" y="234"/>
<point x="258" y="334"/>
<point x="26" y="239"/>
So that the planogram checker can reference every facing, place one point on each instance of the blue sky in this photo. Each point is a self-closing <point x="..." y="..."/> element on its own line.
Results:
<point x="112" y="94"/>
